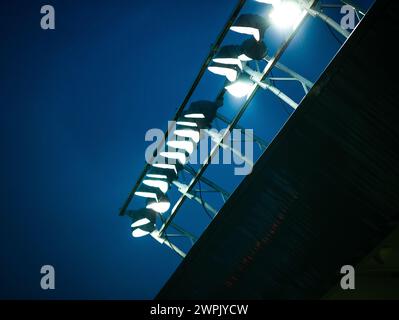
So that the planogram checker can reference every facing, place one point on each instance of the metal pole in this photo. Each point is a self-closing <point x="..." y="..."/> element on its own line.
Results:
<point x="253" y="137"/>
<point x="292" y="73"/>
<point x="279" y="94"/>
<point x="175" y="249"/>
<point x="182" y="188"/>
<point x="216" y="138"/>
<point x="208" y="182"/>
<point x="329" y="21"/>
<point x="255" y="76"/>
<point x="183" y="232"/>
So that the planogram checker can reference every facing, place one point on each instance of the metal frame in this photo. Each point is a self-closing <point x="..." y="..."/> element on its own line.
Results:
<point x="187" y="190"/>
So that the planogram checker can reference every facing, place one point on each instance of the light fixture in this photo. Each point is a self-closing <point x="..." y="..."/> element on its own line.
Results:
<point x="242" y="87"/>
<point x="187" y="124"/>
<point x="229" y="55"/>
<point x="156" y="176"/>
<point x="146" y="191"/>
<point x="141" y="232"/>
<point x="160" y="184"/>
<point x="192" y="115"/>
<point x="165" y="165"/>
<point x="286" y="14"/>
<point x="251" y="24"/>
<point x="160" y="206"/>
<point x="143" y="222"/>
<point x="185" y="132"/>
<point x="169" y="173"/>
<point x="253" y="50"/>
<point x="180" y="156"/>
<point x="230" y="71"/>
<point x="207" y="110"/>
<point x="187" y="146"/>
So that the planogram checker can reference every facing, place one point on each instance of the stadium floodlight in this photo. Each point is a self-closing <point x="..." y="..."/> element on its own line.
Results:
<point x="186" y="123"/>
<point x="251" y="24"/>
<point x="187" y="146"/>
<point x="253" y="50"/>
<point x="146" y="191"/>
<point x="204" y="111"/>
<point x="160" y="206"/>
<point x="236" y="55"/>
<point x="243" y="87"/>
<point x="286" y="14"/>
<point x="230" y="71"/>
<point x="164" y="165"/>
<point x="180" y="156"/>
<point x="160" y="184"/>
<point x="229" y="55"/>
<point x="168" y="173"/>
<point x="187" y="132"/>
<point x="192" y="115"/>
<point x="143" y="222"/>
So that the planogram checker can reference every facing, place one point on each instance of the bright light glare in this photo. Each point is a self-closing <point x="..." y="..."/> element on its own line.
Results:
<point x="247" y="30"/>
<point x="186" y="133"/>
<point x="286" y="14"/>
<point x="187" y="124"/>
<point x="181" y="157"/>
<point x="150" y="195"/>
<point x="185" y="145"/>
<point x="195" y="116"/>
<point x="157" y="176"/>
<point x="160" y="207"/>
<point x="140" y="222"/>
<point x="240" y="89"/>
<point x="161" y="185"/>
<point x="138" y="233"/>
<point x="230" y="74"/>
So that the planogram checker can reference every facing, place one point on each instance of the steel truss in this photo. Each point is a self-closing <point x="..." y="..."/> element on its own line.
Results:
<point x="263" y="80"/>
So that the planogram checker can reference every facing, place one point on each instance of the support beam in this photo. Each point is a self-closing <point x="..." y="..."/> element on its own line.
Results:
<point x="256" y="76"/>
<point x="329" y="21"/>
<point x="253" y="137"/>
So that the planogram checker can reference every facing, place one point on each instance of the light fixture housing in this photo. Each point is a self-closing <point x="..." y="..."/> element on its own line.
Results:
<point x="157" y="183"/>
<point x="146" y="191"/>
<point x="176" y="155"/>
<point x="243" y="87"/>
<point x="160" y="206"/>
<point x="229" y="55"/>
<point x="206" y="108"/>
<point x="253" y="50"/>
<point x="230" y="71"/>
<point x="188" y="132"/>
<point x="187" y="146"/>
<point x="166" y="163"/>
<point x="143" y="222"/>
<point x="165" y="173"/>
<point x="251" y="24"/>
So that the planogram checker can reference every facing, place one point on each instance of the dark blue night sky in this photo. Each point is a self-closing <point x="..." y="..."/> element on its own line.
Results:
<point x="75" y="104"/>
